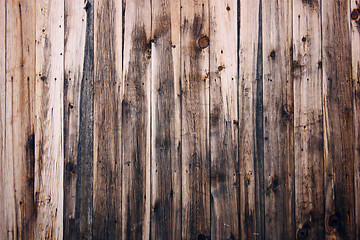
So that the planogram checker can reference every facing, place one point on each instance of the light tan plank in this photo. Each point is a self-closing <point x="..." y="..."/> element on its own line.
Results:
<point x="136" y="110"/>
<point x="308" y="120"/>
<point x="195" y="119"/>
<point x="224" y="120"/>
<point x="250" y="121"/>
<point x="165" y="121"/>
<point x="49" y="158"/>
<point x="278" y="120"/>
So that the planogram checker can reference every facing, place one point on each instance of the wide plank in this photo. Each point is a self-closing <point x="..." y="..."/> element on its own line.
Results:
<point x="49" y="87"/>
<point x="338" y="120"/>
<point x="224" y="120"/>
<point x="136" y="120"/>
<point x="308" y="120"/>
<point x="278" y="120"/>
<point x="78" y="118"/>
<point x="165" y="121"/>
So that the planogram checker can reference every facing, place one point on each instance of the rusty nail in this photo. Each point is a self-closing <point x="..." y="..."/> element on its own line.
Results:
<point x="354" y="14"/>
<point x="203" y="42"/>
<point x="302" y="233"/>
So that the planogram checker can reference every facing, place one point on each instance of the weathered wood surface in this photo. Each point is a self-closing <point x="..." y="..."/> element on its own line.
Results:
<point x="192" y="119"/>
<point x="78" y="118"/>
<point x="308" y="120"/>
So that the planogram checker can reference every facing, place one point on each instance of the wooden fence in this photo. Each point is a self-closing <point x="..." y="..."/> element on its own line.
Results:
<point x="169" y="119"/>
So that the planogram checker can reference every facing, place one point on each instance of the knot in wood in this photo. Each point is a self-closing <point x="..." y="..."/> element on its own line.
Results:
<point x="355" y="14"/>
<point x="203" y="42"/>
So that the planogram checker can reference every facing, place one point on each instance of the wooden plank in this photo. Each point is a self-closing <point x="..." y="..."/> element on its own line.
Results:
<point x="165" y="121"/>
<point x="195" y="119"/>
<point x="107" y="119"/>
<point x="78" y="119"/>
<point x="355" y="54"/>
<point x="308" y="120"/>
<point x="3" y="203"/>
<point x="49" y="85"/>
<point x="250" y="121"/>
<point x="136" y="108"/>
<point x="338" y="120"/>
<point x="19" y="133"/>
<point x="224" y="120"/>
<point x="278" y="120"/>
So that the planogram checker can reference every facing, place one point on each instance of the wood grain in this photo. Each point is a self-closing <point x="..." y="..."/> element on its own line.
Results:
<point x="355" y="54"/>
<point x="165" y="121"/>
<point x="278" y="120"/>
<point x="338" y="120"/>
<point x="195" y="120"/>
<point x="224" y="120"/>
<point x="308" y="120"/>
<point x="136" y="123"/>
<point x="49" y="86"/>
<point x="250" y="121"/>
<point x="3" y="203"/>
<point x="78" y="119"/>
<point x="107" y="119"/>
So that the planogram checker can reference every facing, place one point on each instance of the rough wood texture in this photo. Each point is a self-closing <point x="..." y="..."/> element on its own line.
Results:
<point x="308" y="120"/>
<point x="49" y="85"/>
<point x="338" y="120"/>
<point x="224" y="120"/>
<point x="107" y="119"/>
<point x="195" y="120"/>
<point x="355" y="53"/>
<point x="278" y="120"/>
<point x="250" y="121"/>
<point x="78" y="119"/>
<point x="135" y="138"/>
<point x="3" y="184"/>
<point x="19" y="134"/>
<point x="165" y="121"/>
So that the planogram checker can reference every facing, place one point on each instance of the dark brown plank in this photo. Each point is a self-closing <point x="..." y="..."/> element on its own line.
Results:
<point x="107" y="119"/>
<point x="165" y="121"/>
<point x="338" y="120"/>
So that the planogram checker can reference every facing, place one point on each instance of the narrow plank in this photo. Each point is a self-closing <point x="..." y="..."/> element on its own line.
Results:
<point x="355" y="54"/>
<point x="338" y="121"/>
<point x="107" y="120"/>
<point x="136" y="109"/>
<point x="308" y="120"/>
<point x="278" y="120"/>
<point x="19" y="133"/>
<point x="250" y="121"/>
<point x="49" y="85"/>
<point x="3" y="203"/>
<point x="195" y="119"/>
<point x="78" y="118"/>
<point x="224" y="120"/>
<point x="165" y="121"/>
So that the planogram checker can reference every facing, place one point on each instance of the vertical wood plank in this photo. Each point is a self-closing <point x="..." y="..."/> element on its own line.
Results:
<point x="165" y="121"/>
<point x="355" y="54"/>
<point x="49" y="85"/>
<point x="250" y="121"/>
<point x="136" y="108"/>
<point x="19" y="140"/>
<point x="78" y="119"/>
<point x="224" y="120"/>
<point x="3" y="203"/>
<point x="195" y="119"/>
<point x="278" y="120"/>
<point x="107" y="119"/>
<point x="308" y="120"/>
<point x="338" y="120"/>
